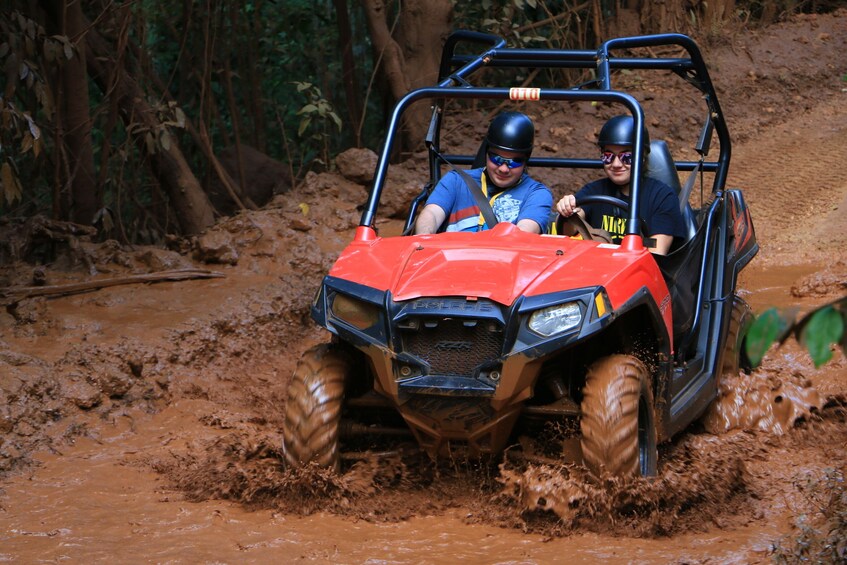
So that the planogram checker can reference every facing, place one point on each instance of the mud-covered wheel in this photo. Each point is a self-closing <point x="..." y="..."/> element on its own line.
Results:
<point x="618" y="421"/>
<point x="734" y="357"/>
<point x="313" y="409"/>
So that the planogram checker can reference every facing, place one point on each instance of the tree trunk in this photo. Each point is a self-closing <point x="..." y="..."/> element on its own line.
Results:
<point x="717" y="12"/>
<point x="77" y="174"/>
<point x="411" y="60"/>
<point x="424" y="27"/>
<point x="189" y="201"/>
<point x="348" y="66"/>
<point x="659" y="17"/>
<point x="255" y="71"/>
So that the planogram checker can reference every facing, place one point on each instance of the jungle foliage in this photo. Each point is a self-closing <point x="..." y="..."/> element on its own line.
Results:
<point x="119" y="114"/>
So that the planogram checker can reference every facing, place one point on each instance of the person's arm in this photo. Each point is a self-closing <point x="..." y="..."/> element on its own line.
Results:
<point x="662" y="243"/>
<point x="567" y="207"/>
<point x="665" y="219"/>
<point x="442" y="198"/>
<point x="530" y="226"/>
<point x="430" y="219"/>
<point x="534" y="214"/>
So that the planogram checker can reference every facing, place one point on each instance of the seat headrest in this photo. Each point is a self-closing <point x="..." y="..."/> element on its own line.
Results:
<point x="660" y="165"/>
<point x="481" y="155"/>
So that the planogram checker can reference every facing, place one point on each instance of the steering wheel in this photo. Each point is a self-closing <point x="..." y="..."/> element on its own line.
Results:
<point x="581" y="227"/>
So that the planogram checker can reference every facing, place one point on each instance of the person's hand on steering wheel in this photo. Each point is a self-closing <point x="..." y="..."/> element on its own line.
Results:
<point x="567" y="206"/>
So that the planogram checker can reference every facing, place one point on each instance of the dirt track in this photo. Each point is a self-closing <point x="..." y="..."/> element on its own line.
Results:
<point x="140" y="423"/>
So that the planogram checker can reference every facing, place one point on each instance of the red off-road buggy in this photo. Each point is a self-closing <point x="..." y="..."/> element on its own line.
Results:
<point x="468" y="341"/>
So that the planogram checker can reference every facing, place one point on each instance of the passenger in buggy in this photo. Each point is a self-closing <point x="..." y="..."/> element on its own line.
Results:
<point x="503" y="181"/>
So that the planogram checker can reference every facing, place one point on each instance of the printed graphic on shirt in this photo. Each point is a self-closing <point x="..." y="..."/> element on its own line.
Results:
<point x="507" y="208"/>
<point x="615" y="226"/>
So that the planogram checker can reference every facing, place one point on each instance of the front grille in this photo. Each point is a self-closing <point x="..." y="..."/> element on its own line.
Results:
<point x="453" y="346"/>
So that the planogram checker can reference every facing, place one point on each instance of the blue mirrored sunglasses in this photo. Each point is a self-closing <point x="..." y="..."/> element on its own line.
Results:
<point x="500" y="161"/>
<point x="609" y="156"/>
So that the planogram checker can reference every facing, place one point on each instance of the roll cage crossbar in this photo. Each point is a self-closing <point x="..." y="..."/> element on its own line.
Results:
<point x="456" y="70"/>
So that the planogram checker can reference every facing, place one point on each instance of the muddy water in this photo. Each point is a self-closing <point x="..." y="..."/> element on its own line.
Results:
<point x="92" y="504"/>
<point x="100" y="501"/>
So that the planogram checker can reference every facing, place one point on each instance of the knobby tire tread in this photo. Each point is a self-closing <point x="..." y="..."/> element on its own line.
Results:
<point x="313" y="409"/>
<point x="609" y="421"/>
<point x="740" y="319"/>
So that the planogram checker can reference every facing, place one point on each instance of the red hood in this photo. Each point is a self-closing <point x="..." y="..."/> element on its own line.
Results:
<point x="500" y="264"/>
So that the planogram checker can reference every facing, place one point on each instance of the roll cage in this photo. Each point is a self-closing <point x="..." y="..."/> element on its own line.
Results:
<point x="457" y="71"/>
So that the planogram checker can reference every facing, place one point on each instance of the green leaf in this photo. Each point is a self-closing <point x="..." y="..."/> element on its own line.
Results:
<point x="763" y="332"/>
<point x="304" y="123"/>
<point x="180" y="117"/>
<point x="26" y="142"/>
<point x="825" y="328"/>
<point x="307" y="109"/>
<point x="11" y="186"/>
<point x="165" y="140"/>
<point x="33" y="129"/>
<point x="68" y="48"/>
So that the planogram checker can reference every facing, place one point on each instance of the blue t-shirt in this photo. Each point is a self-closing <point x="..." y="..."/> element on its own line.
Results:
<point x="527" y="200"/>
<point x="658" y="209"/>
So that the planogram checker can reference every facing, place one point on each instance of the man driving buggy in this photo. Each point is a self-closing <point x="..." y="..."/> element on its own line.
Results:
<point x="658" y="203"/>
<point x="513" y="195"/>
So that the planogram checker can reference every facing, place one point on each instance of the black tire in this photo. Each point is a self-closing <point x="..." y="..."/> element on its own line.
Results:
<point x="313" y="409"/>
<point x="734" y="356"/>
<point x="618" y="422"/>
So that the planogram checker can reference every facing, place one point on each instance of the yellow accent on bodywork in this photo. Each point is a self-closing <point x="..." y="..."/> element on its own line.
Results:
<point x="600" y="305"/>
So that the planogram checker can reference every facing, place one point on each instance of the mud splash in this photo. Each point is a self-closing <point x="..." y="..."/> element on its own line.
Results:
<point x="244" y="464"/>
<point x="248" y="467"/>
<point x="692" y="490"/>
<point x="702" y="476"/>
<point x="762" y="401"/>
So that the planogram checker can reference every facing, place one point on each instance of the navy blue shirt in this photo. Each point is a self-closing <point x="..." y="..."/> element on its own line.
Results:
<point x="658" y="209"/>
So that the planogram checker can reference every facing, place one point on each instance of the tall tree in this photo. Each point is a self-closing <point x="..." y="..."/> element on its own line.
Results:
<point x="78" y="196"/>
<point x="190" y="203"/>
<point x="407" y="39"/>
<point x="348" y="66"/>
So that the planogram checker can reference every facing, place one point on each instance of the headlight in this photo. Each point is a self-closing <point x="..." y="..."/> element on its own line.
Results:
<point x="555" y="319"/>
<point x="358" y="314"/>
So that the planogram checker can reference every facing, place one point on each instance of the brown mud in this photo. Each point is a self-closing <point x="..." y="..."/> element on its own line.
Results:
<point x="141" y="423"/>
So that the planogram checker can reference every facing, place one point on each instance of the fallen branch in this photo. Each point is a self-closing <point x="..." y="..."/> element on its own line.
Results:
<point x="13" y="295"/>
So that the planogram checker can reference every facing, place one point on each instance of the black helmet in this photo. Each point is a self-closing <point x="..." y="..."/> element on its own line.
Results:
<point x="620" y="130"/>
<point x="511" y="131"/>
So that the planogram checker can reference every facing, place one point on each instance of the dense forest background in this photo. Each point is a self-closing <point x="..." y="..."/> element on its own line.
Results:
<point x="150" y="117"/>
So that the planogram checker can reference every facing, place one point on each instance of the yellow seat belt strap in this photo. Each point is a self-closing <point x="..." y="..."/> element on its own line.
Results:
<point x="484" y="186"/>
